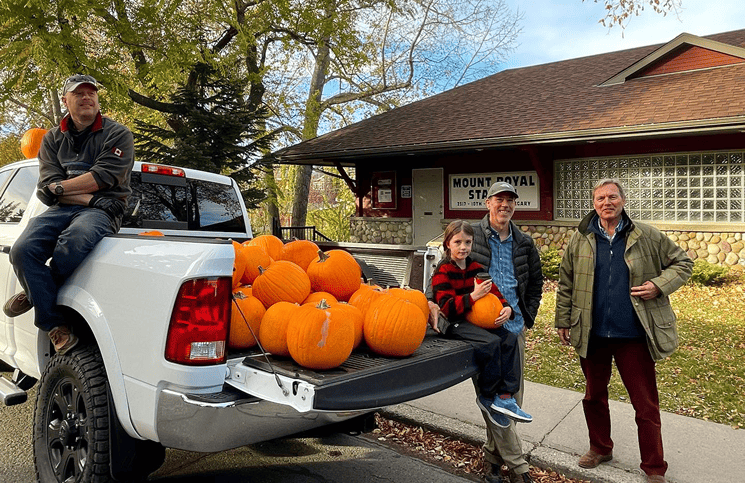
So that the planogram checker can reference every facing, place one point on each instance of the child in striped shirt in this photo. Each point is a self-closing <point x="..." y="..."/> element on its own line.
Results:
<point x="496" y="349"/>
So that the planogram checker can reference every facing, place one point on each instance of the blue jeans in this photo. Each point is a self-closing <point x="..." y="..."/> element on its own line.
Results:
<point x="66" y="233"/>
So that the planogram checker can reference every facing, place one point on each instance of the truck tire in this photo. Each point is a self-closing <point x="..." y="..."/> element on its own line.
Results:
<point x="71" y="419"/>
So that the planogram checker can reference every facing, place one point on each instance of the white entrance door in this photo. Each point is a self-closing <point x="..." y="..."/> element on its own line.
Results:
<point x="427" y="204"/>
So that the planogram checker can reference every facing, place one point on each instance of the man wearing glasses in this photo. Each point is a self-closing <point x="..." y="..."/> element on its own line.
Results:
<point x="85" y="165"/>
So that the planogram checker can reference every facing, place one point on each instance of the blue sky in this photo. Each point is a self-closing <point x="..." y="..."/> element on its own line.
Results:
<point x="560" y="30"/>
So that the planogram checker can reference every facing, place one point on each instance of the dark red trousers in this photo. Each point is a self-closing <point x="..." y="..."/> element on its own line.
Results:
<point x="637" y="370"/>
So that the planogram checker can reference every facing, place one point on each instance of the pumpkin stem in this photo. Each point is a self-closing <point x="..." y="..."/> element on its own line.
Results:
<point x="322" y="256"/>
<point x="261" y="269"/>
<point x="323" y="305"/>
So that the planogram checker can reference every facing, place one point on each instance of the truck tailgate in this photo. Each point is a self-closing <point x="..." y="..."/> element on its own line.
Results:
<point x="365" y="380"/>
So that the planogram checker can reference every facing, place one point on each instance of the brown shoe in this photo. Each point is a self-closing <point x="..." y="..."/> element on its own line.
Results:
<point x="63" y="339"/>
<point x="16" y="305"/>
<point x="591" y="459"/>
<point x="656" y="479"/>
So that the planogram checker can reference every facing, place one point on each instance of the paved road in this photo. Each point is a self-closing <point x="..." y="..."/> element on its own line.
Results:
<point x="335" y="458"/>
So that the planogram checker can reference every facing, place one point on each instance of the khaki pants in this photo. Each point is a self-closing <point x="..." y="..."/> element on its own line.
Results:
<point x="503" y="445"/>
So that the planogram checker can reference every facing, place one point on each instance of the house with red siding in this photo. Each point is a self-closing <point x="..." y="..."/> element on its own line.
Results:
<point x="667" y="120"/>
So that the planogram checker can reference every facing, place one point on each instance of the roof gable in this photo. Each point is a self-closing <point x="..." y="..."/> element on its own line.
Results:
<point x="684" y="53"/>
<point x="557" y="102"/>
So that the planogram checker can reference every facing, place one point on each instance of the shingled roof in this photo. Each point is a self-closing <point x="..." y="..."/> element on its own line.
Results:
<point x="688" y="84"/>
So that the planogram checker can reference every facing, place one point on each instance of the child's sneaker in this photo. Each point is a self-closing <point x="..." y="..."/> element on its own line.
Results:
<point x="510" y="408"/>
<point x="498" y="419"/>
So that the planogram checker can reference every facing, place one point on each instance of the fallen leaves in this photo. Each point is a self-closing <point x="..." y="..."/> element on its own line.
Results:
<point x="444" y="450"/>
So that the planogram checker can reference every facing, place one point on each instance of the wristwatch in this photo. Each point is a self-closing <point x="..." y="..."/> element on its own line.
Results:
<point x="59" y="189"/>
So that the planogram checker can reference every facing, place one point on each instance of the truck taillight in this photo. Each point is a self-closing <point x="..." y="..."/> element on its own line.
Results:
<point x="160" y="169"/>
<point x="200" y="322"/>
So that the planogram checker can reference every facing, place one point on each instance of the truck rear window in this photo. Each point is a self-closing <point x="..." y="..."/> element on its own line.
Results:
<point x="172" y="203"/>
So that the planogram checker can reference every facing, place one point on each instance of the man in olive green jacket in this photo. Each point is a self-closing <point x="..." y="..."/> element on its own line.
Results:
<point x="612" y="303"/>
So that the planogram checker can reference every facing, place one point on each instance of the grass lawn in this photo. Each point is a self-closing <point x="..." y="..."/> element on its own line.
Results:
<point x="704" y="378"/>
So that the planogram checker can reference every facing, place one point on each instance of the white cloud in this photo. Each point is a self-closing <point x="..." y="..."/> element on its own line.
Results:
<point x="554" y="31"/>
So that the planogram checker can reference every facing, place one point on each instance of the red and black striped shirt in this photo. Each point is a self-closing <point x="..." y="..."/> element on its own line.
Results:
<point x="452" y="287"/>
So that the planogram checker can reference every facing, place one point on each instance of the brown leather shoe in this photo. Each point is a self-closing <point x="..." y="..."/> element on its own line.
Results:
<point x="591" y="459"/>
<point x="63" y="339"/>
<point x="656" y="479"/>
<point x="17" y="305"/>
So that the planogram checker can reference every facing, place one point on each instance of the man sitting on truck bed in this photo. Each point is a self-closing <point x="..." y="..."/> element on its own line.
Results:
<point x="85" y="165"/>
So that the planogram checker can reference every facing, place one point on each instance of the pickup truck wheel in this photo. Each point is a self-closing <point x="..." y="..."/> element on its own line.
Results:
<point x="71" y="419"/>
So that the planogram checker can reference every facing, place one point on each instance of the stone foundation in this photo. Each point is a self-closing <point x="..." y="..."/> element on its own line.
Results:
<point x="723" y="248"/>
<point x="392" y="231"/>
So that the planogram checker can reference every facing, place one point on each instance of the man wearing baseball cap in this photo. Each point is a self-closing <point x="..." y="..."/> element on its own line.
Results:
<point x="515" y="266"/>
<point x="85" y="165"/>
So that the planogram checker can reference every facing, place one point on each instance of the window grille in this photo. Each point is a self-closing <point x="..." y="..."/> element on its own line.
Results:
<point x="688" y="187"/>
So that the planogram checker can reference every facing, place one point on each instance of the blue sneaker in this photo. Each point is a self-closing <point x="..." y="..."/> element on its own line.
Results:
<point x="510" y="408"/>
<point x="498" y="419"/>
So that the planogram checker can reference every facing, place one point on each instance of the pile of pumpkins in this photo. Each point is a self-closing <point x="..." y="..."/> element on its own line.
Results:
<point x="312" y="306"/>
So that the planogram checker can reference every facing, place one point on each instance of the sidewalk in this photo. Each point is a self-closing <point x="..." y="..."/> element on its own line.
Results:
<point x="697" y="451"/>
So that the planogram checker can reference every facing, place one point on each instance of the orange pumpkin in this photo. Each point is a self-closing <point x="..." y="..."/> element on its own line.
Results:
<point x="281" y="281"/>
<point x="394" y="327"/>
<point x="31" y="142"/>
<point x="270" y="243"/>
<point x="352" y="313"/>
<point x="365" y="296"/>
<point x="255" y="257"/>
<point x="273" y="329"/>
<point x="245" y="320"/>
<point x="414" y="296"/>
<point x="239" y="264"/>
<point x="151" y="233"/>
<point x="319" y="338"/>
<point x="485" y="311"/>
<point x="316" y="297"/>
<point x="301" y="252"/>
<point x="335" y="272"/>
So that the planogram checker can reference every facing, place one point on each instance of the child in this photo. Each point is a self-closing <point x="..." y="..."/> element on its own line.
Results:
<point x="496" y="349"/>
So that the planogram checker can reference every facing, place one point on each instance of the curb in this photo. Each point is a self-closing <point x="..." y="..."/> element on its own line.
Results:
<point x="536" y="454"/>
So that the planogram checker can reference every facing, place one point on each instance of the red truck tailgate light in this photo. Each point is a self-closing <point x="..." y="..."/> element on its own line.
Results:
<point x="200" y="322"/>
<point x="166" y="170"/>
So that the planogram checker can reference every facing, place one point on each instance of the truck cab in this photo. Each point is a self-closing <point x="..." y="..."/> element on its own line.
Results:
<point x="153" y="370"/>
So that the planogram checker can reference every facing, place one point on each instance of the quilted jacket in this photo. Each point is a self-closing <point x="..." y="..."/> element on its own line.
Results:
<point x="527" y="263"/>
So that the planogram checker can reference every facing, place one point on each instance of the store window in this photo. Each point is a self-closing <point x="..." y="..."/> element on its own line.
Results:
<point x="690" y="187"/>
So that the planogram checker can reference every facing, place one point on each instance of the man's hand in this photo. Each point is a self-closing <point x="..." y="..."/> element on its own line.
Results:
<point x="45" y="196"/>
<point x="647" y="291"/>
<point x="563" y="336"/>
<point x="114" y="208"/>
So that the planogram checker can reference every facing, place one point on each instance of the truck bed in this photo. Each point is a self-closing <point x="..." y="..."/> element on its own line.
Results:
<point x="368" y="380"/>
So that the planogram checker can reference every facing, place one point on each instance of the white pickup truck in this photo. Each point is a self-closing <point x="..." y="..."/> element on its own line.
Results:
<point x="153" y="370"/>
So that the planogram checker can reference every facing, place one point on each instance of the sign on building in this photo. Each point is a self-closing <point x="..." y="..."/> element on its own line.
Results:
<point x="468" y="191"/>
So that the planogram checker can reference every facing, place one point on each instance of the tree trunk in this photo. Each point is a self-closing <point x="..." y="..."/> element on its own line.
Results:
<point x="313" y="109"/>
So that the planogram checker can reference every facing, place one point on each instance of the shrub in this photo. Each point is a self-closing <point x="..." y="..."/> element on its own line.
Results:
<point x="550" y="261"/>
<point x="705" y="273"/>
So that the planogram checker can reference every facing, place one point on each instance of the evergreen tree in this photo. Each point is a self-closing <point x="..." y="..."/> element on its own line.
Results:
<point x="211" y="127"/>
